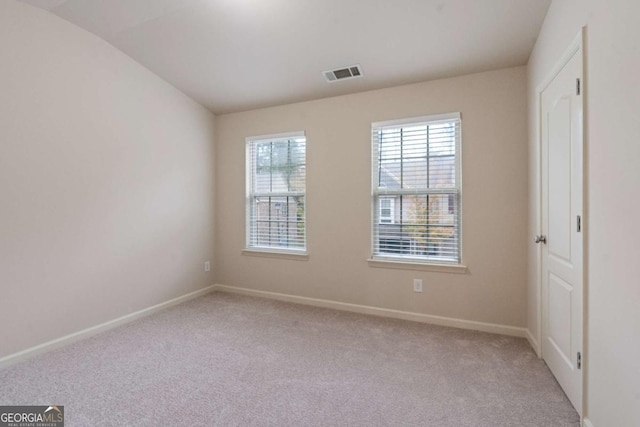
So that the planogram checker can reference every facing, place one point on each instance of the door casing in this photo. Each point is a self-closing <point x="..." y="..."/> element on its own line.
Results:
<point x="576" y="45"/>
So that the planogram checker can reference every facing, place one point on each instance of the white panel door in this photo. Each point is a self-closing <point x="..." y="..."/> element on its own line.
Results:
<point x="562" y="251"/>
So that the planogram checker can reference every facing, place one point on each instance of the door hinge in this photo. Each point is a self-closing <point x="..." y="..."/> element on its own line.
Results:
<point x="579" y="224"/>
<point x="579" y="363"/>
<point x="577" y="86"/>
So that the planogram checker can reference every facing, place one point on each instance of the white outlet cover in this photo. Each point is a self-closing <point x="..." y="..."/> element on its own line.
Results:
<point x="207" y="266"/>
<point x="417" y="285"/>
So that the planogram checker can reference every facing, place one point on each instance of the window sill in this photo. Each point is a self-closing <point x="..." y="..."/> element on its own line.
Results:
<point x="408" y="265"/>
<point x="301" y="256"/>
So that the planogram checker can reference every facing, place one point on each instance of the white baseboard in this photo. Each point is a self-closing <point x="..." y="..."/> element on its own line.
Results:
<point x="383" y="312"/>
<point x="85" y="333"/>
<point x="533" y="342"/>
<point x="587" y="423"/>
<point x="355" y="308"/>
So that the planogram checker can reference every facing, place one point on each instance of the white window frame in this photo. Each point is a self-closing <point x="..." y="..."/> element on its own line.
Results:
<point x="379" y="259"/>
<point x="250" y="225"/>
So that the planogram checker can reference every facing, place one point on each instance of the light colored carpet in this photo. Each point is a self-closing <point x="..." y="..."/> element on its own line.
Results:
<point x="229" y="360"/>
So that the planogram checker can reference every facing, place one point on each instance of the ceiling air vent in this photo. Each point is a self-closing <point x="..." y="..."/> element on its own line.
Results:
<point x="343" y="73"/>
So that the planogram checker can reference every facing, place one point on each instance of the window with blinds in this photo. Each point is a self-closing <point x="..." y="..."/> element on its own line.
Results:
<point x="416" y="189"/>
<point x="276" y="175"/>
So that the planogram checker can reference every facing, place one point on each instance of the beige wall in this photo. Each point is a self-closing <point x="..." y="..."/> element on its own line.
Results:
<point x="494" y="132"/>
<point x="106" y="182"/>
<point x="612" y="97"/>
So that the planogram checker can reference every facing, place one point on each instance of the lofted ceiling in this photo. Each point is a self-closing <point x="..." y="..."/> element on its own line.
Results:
<point x="234" y="55"/>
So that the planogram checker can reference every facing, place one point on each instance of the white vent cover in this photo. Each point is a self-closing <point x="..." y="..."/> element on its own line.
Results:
<point x="350" y="72"/>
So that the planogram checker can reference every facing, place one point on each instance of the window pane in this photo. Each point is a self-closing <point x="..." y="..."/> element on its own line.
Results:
<point x="424" y="226"/>
<point x="390" y="175"/>
<point x="414" y="175"/>
<point x="442" y="140"/>
<point x="279" y="221"/>
<point x="442" y="172"/>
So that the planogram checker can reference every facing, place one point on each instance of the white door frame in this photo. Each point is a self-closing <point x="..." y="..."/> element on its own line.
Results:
<point x="576" y="45"/>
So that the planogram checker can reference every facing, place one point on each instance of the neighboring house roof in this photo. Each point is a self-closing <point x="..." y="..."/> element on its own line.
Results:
<point x="278" y="181"/>
<point x="388" y="179"/>
<point x="413" y="174"/>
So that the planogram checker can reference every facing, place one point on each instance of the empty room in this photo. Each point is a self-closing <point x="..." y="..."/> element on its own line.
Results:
<point x="319" y="213"/>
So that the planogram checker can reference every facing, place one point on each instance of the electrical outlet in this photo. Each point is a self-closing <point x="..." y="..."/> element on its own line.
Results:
<point x="207" y="266"/>
<point x="417" y="285"/>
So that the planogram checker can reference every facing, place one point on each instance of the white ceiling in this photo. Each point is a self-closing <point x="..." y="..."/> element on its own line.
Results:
<point x="233" y="55"/>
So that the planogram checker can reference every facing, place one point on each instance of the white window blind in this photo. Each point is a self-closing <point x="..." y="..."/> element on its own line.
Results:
<point x="416" y="173"/>
<point x="276" y="187"/>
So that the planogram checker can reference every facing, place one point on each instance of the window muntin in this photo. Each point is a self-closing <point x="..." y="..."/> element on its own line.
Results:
<point x="416" y="165"/>
<point x="276" y="193"/>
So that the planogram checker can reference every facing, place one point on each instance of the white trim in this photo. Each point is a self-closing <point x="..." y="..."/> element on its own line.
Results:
<point x="382" y="312"/>
<point x="399" y="264"/>
<point x="269" y="253"/>
<point x="416" y="120"/>
<point x="20" y="356"/>
<point x="538" y="219"/>
<point x="533" y="343"/>
<point x="285" y="135"/>
<point x="575" y="46"/>
<point x="410" y="192"/>
<point x="587" y="423"/>
<point x="355" y="308"/>
<point x="282" y="194"/>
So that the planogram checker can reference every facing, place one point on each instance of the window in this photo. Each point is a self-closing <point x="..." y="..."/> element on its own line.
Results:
<point x="416" y="189"/>
<point x="276" y="171"/>
<point x="386" y="210"/>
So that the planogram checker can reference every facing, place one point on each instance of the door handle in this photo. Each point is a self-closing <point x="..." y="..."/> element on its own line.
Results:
<point x="541" y="239"/>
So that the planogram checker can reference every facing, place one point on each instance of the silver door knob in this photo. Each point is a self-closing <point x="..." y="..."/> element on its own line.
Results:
<point x="541" y="239"/>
